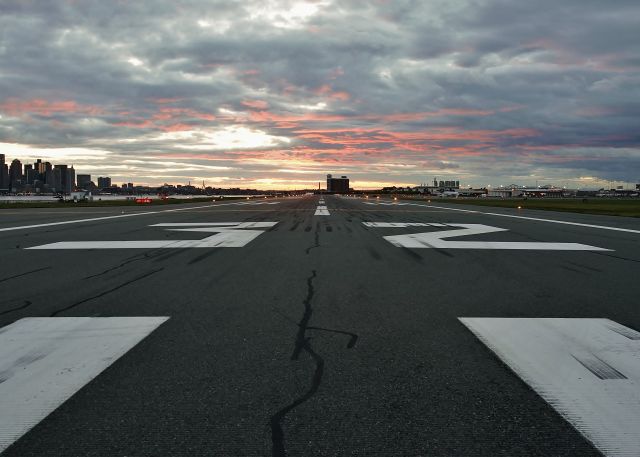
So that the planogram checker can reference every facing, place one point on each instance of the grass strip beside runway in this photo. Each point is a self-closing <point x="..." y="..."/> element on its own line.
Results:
<point x="604" y="206"/>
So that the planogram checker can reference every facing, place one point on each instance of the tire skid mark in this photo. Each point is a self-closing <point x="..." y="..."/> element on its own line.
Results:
<point x="25" y="273"/>
<point x="24" y="305"/>
<point x="106" y="292"/>
<point x="126" y="262"/>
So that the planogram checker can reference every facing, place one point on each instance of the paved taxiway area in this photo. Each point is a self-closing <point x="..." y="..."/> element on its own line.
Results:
<point x="313" y="334"/>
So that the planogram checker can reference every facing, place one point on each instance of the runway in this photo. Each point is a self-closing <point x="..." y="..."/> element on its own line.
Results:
<point x="319" y="326"/>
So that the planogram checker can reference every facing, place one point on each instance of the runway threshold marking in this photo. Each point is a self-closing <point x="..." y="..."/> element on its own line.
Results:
<point x="435" y="239"/>
<point x="45" y="360"/>
<point x="227" y="235"/>
<point x="321" y="210"/>
<point x="586" y="369"/>
<point x="538" y="219"/>
<point x="102" y="218"/>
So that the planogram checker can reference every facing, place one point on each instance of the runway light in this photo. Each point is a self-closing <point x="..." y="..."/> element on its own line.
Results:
<point x="395" y="198"/>
<point x="247" y="198"/>
<point x="519" y="207"/>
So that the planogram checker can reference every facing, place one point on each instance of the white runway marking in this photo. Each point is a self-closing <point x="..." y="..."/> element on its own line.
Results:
<point x="321" y="211"/>
<point x="45" y="360"/>
<point x="119" y="216"/>
<point x="435" y="239"/>
<point x="538" y="219"/>
<point x="227" y="235"/>
<point x="587" y="369"/>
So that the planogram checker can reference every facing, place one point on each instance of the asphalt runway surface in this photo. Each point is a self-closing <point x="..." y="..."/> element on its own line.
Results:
<point x="317" y="336"/>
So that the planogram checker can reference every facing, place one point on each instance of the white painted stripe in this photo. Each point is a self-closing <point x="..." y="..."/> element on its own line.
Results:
<point x="195" y="224"/>
<point x="539" y="219"/>
<point x="221" y="226"/>
<point x="231" y="235"/>
<point x="321" y="211"/>
<point x="78" y="221"/>
<point x="585" y="368"/>
<point x="44" y="361"/>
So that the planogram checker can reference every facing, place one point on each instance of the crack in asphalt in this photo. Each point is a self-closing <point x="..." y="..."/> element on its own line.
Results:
<point x="102" y="294"/>
<point x="352" y="336"/>
<point x="25" y="273"/>
<point x="303" y="343"/>
<point x="316" y="240"/>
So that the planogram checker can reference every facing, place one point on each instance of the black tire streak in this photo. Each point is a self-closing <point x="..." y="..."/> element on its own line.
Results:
<point x="26" y="304"/>
<point x="133" y="259"/>
<point x="201" y="257"/>
<point x="615" y="256"/>
<point x="24" y="274"/>
<point x="102" y="294"/>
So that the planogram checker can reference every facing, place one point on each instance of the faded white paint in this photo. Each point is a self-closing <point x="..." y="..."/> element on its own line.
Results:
<point x="227" y="235"/>
<point x="435" y="239"/>
<point x="587" y="369"/>
<point x="45" y="360"/>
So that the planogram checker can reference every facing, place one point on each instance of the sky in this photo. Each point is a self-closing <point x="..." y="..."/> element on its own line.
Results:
<point x="276" y="94"/>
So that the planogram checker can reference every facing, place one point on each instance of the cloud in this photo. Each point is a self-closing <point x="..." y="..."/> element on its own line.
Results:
<point x="485" y="91"/>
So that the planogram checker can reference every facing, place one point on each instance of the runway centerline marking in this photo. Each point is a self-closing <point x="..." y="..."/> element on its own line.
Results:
<point x="321" y="210"/>
<point x="538" y="219"/>
<point x="586" y="369"/>
<point x="227" y="235"/>
<point x="45" y="360"/>
<point x="435" y="239"/>
<point x="119" y="216"/>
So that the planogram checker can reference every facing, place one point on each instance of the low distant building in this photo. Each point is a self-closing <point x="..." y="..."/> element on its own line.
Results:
<point x="504" y="192"/>
<point x="472" y="192"/>
<point x="547" y="192"/>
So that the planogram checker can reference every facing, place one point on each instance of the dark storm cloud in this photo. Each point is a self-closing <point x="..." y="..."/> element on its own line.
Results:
<point x="484" y="90"/>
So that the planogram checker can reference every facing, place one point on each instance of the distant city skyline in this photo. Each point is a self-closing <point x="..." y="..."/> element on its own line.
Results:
<point x="277" y="94"/>
<point x="100" y="180"/>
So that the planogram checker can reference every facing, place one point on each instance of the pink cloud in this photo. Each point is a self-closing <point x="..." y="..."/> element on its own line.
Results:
<point x="43" y="107"/>
<point x="256" y="104"/>
<point x="327" y="91"/>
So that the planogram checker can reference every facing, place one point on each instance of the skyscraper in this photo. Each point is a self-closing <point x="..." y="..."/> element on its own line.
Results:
<point x="71" y="180"/>
<point x="15" y="173"/>
<point x="4" y="173"/>
<point x="28" y="173"/>
<point x="62" y="185"/>
<point x="84" y="181"/>
<point x="104" y="182"/>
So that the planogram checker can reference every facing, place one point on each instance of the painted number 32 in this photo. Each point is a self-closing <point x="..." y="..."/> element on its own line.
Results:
<point x="436" y="239"/>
